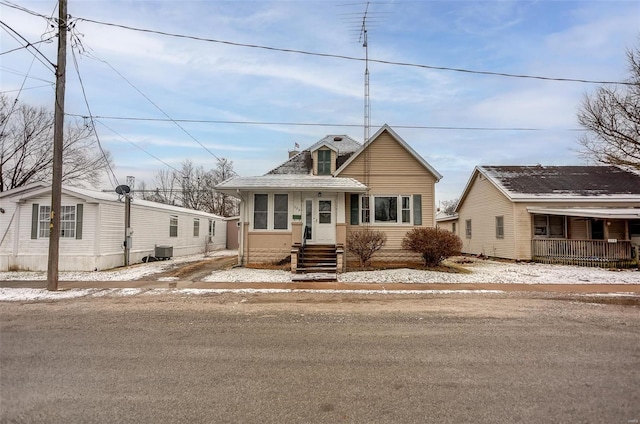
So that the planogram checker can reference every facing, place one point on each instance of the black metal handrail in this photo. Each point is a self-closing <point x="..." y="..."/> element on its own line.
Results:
<point x="305" y="233"/>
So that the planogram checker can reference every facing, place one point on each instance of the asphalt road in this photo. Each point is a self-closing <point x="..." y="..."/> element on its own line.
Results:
<point x="304" y="358"/>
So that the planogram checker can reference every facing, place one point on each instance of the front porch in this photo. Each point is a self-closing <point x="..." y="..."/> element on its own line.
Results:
<point x="593" y="253"/>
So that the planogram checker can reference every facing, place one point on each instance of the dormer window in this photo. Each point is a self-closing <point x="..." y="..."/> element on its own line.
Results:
<point x="324" y="162"/>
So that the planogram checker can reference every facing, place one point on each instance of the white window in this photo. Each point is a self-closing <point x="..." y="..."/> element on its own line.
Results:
<point x="500" y="227"/>
<point x="196" y="227"/>
<point x="43" y="221"/>
<point x="280" y="211"/>
<point x="271" y="211"/>
<point x="406" y="209"/>
<point x="260" y="211"/>
<point x="173" y="226"/>
<point x="468" y="228"/>
<point x="453" y="227"/>
<point x="212" y="228"/>
<point x="365" y="209"/>
<point x="387" y="209"/>
<point x="67" y="221"/>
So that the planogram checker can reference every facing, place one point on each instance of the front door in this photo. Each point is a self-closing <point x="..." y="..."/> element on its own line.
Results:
<point x="319" y="220"/>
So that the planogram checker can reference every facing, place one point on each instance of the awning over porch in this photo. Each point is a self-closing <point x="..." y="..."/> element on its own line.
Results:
<point x="291" y="182"/>
<point x="601" y="213"/>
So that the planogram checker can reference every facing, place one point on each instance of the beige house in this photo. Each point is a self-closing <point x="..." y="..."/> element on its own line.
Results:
<point x="585" y="215"/>
<point x="311" y="201"/>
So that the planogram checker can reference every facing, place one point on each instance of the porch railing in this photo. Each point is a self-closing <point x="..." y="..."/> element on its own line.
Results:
<point x="596" y="253"/>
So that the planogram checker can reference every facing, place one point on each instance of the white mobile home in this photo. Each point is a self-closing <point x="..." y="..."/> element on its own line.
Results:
<point x="93" y="232"/>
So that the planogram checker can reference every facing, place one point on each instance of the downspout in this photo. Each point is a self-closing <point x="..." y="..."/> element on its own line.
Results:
<point x="243" y="213"/>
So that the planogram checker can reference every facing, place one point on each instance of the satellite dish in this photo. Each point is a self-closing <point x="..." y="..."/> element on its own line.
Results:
<point x="123" y="189"/>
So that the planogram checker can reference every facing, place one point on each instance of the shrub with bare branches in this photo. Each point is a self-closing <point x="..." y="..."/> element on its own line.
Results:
<point x="364" y="243"/>
<point x="433" y="244"/>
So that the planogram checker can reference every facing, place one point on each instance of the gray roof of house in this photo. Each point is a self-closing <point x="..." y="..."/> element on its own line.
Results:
<point x="572" y="181"/>
<point x="301" y="163"/>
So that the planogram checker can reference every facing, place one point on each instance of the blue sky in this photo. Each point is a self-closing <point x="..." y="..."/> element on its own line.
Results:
<point x="199" y="80"/>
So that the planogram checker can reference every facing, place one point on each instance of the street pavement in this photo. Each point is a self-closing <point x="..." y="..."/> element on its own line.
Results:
<point x="318" y="285"/>
<point x="319" y="358"/>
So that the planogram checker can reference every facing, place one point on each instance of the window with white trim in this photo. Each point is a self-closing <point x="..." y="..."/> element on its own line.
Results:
<point x="467" y="229"/>
<point x="499" y="227"/>
<point x="173" y="226"/>
<point x="43" y="221"/>
<point x="406" y="209"/>
<point x="196" y="227"/>
<point x="271" y="211"/>
<point x="396" y="209"/>
<point x="67" y="221"/>
<point x="280" y="211"/>
<point x="260" y="211"/>
<point x="364" y="200"/>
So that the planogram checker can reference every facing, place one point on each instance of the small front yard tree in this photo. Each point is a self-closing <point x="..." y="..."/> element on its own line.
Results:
<point x="433" y="244"/>
<point x="364" y="243"/>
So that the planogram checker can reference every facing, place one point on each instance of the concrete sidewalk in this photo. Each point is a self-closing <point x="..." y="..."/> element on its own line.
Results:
<point x="346" y="287"/>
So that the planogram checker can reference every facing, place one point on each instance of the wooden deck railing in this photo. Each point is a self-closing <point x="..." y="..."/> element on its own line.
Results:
<point x="597" y="253"/>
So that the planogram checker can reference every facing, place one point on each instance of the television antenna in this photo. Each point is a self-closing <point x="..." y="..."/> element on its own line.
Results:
<point x="367" y="99"/>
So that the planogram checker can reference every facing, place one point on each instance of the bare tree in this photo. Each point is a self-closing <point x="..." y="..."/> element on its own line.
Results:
<point x="193" y="188"/>
<point x="449" y="206"/>
<point x="26" y="148"/>
<point x="224" y="205"/>
<point x="167" y="188"/>
<point x="612" y="117"/>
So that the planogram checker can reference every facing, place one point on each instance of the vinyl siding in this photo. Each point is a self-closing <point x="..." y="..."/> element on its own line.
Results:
<point x="393" y="171"/>
<point x="483" y="202"/>
<point x="101" y="246"/>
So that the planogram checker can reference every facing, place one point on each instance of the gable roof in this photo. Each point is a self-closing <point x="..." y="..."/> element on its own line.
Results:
<point x="301" y="163"/>
<point x="400" y="141"/>
<point x="562" y="183"/>
<point x="93" y="196"/>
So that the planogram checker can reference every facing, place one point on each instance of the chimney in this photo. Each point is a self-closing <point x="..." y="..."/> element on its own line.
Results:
<point x="292" y="153"/>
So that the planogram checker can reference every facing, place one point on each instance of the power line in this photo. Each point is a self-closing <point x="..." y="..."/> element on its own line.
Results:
<point x="169" y="118"/>
<point x="23" y="9"/>
<point x="11" y="32"/>
<point x="319" y="124"/>
<point x="138" y="147"/>
<point x="27" y="88"/>
<point x="22" y="74"/>
<point x="93" y="126"/>
<point x="336" y="56"/>
<point x="26" y="46"/>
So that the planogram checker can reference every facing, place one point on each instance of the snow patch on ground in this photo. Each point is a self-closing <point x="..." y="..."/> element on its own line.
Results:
<point x="133" y="272"/>
<point x="484" y="271"/>
<point x="34" y="295"/>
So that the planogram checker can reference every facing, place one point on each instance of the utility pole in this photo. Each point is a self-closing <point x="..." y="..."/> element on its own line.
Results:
<point x="127" y="227"/>
<point x="58" y="134"/>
